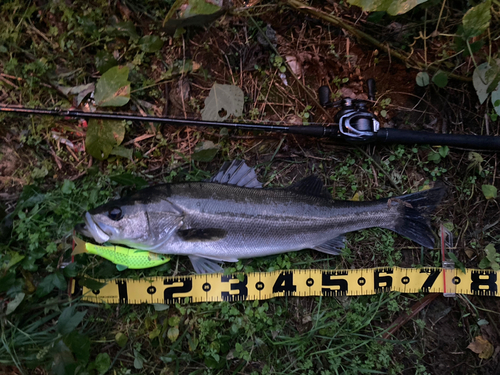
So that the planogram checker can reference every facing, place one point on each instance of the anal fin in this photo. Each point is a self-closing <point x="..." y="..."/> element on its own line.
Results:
<point x="333" y="246"/>
<point x="204" y="265"/>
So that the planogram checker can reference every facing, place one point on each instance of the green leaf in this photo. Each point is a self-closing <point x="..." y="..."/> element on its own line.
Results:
<point x="79" y="344"/>
<point x="491" y="252"/>
<point x="46" y="286"/>
<point x="28" y="263"/>
<point x="443" y="151"/>
<point x="103" y="136"/>
<point x="15" y="258"/>
<point x="90" y="283"/>
<point x="69" y="320"/>
<point x="68" y="186"/>
<point x="124" y="152"/>
<point x="102" y="362"/>
<point x="222" y="102"/>
<point x="449" y="225"/>
<point x="197" y="7"/>
<point x="173" y="333"/>
<point x="489" y="191"/>
<point x="59" y="281"/>
<point x="484" y="75"/>
<point x="150" y="43"/>
<point x="477" y="20"/>
<point x="440" y="79"/>
<point x="126" y="28"/>
<point x="138" y="360"/>
<point x="205" y="151"/>
<point x="128" y="179"/>
<point x="71" y="270"/>
<point x="63" y="362"/>
<point x="435" y="157"/>
<point x="121" y="339"/>
<point x="393" y="7"/>
<point x="455" y="260"/>
<point x="12" y="306"/>
<point x="104" y="61"/>
<point x="422" y="79"/>
<point x="375" y="17"/>
<point x="160" y="306"/>
<point x="113" y="88"/>
<point x="495" y="100"/>
<point x="484" y="263"/>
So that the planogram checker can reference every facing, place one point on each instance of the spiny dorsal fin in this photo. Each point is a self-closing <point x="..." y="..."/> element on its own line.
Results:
<point x="237" y="173"/>
<point x="311" y="186"/>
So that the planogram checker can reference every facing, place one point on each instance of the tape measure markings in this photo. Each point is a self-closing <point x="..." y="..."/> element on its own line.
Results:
<point x="312" y="282"/>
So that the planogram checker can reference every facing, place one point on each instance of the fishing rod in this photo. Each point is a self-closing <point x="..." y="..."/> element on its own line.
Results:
<point x="353" y="124"/>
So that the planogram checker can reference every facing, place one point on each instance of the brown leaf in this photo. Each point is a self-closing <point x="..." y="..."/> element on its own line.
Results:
<point x="482" y="347"/>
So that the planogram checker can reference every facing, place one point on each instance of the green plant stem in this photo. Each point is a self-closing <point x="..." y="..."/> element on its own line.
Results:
<point x="338" y="22"/>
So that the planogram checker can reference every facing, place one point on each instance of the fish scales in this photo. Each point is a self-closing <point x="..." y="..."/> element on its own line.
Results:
<point x="262" y="222"/>
<point x="232" y="217"/>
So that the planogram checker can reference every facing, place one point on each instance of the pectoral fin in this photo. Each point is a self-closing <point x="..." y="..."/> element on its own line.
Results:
<point x="204" y="265"/>
<point x="202" y="235"/>
<point x="121" y="267"/>
<point x="333" y="246"/>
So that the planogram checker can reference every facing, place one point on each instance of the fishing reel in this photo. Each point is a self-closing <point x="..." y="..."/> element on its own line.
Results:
<point x="356" y="124"/>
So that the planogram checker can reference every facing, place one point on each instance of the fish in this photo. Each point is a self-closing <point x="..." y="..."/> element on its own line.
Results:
<point x="123" y="257"/>
<point x="231" y="217"/>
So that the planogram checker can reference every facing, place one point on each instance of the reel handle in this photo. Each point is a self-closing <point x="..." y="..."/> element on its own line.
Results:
<point x="324" y="97"/>
<point x="372" y="89"/>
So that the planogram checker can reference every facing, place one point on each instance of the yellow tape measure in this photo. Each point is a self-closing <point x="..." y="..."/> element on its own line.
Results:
<point x="295" y="283"/>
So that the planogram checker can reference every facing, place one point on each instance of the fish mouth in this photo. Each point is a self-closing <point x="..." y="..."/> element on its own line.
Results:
<point x="92" y="229"/>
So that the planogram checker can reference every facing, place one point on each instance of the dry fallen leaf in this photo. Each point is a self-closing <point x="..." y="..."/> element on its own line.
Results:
<point x="469" y="253"/>
<point x="482" y="347"/>
<point x="294" y="65"/>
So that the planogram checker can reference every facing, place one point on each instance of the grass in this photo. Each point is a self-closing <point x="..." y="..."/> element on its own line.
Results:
<point x="46" y="186"/>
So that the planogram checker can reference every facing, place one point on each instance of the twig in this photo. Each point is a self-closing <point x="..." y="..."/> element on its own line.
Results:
<point x="306" y="90"/>
<point x="56" y="158"/>
<point x="338" y="22"/>
<point x="405" y="317"/>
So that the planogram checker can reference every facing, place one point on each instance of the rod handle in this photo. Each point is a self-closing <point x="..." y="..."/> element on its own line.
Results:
<point x="410" y="137"/>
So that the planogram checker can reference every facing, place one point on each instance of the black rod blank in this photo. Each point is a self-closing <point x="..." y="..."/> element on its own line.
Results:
<point x="392" y="136"/>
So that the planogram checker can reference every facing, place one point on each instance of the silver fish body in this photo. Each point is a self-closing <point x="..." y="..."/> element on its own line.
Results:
<point x="218" y="221"/>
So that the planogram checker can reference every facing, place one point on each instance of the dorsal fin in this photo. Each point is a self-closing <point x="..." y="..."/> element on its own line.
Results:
<point x="237" y="173"/>
<point x="311" y="186"/>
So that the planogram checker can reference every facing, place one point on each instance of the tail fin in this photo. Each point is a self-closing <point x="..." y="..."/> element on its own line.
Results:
<point x="80" y="247"/>
<point x="414" y="221"/>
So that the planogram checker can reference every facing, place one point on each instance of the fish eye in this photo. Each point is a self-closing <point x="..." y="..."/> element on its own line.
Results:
<point x="115" y="213"/>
